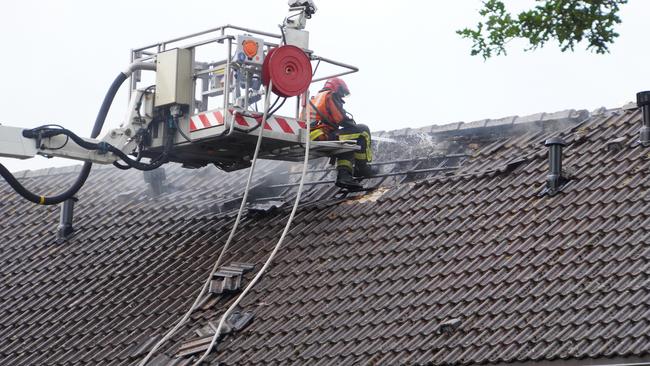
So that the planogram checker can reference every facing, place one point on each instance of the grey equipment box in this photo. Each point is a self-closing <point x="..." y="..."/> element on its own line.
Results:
<point x="174" y="77"/>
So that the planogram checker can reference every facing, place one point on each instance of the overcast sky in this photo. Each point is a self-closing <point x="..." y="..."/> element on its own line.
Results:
<point x="59" y="57"/>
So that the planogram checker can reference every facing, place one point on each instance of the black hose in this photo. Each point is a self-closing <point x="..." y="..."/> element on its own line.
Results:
<point x="120" y="166"/>
<point x="85" y="170"/>
<point x="274" y="103"/>
<point x="101" y="146"/>
<point x="272" y="112"/>
<point x="106" y="104"/>
<point x="178" y="128"/>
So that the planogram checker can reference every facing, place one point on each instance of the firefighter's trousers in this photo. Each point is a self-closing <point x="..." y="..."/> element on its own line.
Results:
<point x="357" y="132"/>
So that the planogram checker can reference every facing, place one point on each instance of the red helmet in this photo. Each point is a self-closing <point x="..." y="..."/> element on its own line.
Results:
<point x="338" y="86"/>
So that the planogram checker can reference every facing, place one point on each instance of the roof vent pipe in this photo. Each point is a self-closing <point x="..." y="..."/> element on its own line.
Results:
<point x="66" y="216"/>
<point x="555" y="179"/>
<point x="643" y="102"/>
<point x="156" y="179"/>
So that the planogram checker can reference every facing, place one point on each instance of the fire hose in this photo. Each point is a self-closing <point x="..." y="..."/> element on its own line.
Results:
<point x="293" y="82"/>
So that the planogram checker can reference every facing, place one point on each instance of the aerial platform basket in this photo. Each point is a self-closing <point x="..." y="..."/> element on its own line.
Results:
<point x="201" y="107"/>
<point x="228" y="139"/>
<point x="220" y="100"/>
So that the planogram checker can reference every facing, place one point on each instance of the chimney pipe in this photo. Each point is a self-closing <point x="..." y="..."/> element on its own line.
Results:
<point x="643" y="102"/>
<point x="156" y="179"/>
<point x="555" y="179"/>
<point x="65" y="228"/>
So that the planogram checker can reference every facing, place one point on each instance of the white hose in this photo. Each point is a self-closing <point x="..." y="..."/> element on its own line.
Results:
<point x="230" y="237"/>
<point x="273" y="253"/>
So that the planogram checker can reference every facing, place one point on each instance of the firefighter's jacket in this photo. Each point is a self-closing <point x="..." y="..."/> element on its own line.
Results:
<point x="327" y="116"/>
<point x="327" y="111"/>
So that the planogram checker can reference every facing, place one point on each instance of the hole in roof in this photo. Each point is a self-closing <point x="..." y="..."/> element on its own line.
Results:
<point x="372" y="196"/>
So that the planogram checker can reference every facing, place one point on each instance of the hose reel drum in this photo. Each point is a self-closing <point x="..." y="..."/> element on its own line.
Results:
<point x="290" y="69"/>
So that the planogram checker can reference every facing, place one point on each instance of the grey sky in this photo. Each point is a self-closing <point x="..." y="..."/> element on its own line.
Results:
<point x="59" y="57"/>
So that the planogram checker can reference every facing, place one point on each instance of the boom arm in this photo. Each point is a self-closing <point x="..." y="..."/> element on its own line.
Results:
<point x="14" y="143"/>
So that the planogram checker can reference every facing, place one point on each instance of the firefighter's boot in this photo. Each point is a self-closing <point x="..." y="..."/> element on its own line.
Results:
<point x="364" y="170"/>
<point x="345" y="180"/>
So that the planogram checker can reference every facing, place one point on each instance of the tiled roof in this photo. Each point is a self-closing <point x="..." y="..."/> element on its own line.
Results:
<point x="471" y="265"/>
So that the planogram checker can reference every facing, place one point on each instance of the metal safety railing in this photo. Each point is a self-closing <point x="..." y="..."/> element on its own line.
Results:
<point x="203" y="70"/>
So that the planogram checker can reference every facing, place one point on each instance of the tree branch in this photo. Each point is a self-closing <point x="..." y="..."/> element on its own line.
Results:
<point x="569" y="22"/>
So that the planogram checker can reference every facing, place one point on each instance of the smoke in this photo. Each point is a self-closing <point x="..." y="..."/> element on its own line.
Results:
<point x="412" y="146"/>
<point x="383" y="139"/>
<point x="272" y="174"/>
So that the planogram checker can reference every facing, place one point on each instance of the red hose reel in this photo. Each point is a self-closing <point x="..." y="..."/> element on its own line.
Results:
<point x="289" y="68"/>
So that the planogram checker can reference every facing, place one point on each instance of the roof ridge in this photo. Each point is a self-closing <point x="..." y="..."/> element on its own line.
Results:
<point x="541" y="118"/>
<point x="598" y="117"/>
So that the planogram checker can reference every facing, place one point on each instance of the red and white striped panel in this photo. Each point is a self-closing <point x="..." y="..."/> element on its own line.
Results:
<point x="275" y="124"/>
<point x="206" y="120"/>
<point x="284" y="125"/>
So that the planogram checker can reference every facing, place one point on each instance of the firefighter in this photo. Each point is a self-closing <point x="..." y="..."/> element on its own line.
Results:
<point x="330" y="121"/>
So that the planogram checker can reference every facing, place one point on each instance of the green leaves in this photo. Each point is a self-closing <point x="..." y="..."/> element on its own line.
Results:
<point x="569" y="22"/>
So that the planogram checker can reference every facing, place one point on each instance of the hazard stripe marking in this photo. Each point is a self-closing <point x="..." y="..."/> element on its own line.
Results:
<point x="204" y="119"/>
<point x="241" y="121"/>
<point x="219" y="117"/>
<point x="274" y="124"/>
<point x="284" y="125"/>
<point x="192" y="125"/>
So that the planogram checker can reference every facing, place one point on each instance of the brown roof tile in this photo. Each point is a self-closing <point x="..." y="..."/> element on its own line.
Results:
<point x="528" y="277"/>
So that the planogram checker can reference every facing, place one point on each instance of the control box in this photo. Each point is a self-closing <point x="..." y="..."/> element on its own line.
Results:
<point x="174" y="77"/>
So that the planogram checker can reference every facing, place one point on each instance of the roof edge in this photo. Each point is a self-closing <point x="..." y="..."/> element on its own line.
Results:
<point x="537" y="119"/>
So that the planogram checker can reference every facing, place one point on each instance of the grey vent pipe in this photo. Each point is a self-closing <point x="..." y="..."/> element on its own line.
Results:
<point x="554" y="180"/>
<point x="643" y="101"/>
<point x="156" y="179"/>
<point x="65" y="228"/>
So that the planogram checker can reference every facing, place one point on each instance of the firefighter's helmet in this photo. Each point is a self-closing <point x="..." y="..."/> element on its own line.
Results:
<point x="338" y="86"/>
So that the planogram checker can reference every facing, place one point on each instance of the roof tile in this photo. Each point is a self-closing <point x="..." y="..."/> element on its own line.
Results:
<point x="531" y="277"/>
